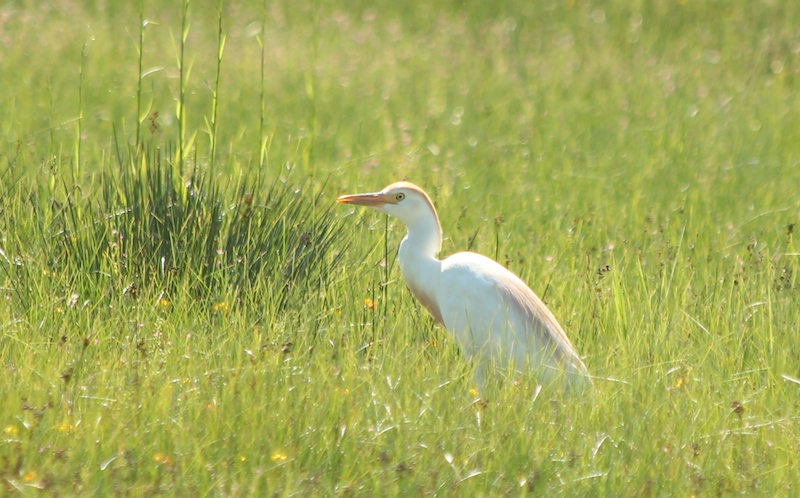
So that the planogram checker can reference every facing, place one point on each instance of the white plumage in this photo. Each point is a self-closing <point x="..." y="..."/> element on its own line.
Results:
<point x="494" y="317"/>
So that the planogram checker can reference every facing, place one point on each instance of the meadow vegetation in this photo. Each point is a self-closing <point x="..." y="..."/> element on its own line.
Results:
<point x="185" y="311"/>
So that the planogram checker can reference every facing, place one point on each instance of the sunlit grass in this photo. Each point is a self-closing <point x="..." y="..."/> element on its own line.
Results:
<point x="210" y="323"/>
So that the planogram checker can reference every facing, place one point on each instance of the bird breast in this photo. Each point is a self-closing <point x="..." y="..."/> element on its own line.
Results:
<point x="421" y="276"/>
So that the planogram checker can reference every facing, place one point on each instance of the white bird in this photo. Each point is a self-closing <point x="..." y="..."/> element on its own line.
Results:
<point x="494" y="317"/>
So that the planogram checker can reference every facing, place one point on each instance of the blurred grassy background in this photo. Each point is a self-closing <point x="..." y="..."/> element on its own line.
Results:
<point x="635" y="162"/>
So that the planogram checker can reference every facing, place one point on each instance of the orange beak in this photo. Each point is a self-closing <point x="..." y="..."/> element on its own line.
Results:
<point x="376" y="199"/>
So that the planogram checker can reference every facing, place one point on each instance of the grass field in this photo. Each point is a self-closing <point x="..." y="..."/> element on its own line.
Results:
<point x="187" y="312"/>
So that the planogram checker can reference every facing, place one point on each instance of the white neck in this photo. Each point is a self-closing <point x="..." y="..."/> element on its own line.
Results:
<point x="418" y="250"/>
<point x="417" y="257"/>
<point x="424" y="239"/>
<point x="419" y="265"/>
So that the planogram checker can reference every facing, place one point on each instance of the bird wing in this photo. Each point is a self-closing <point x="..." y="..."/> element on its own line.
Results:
<point x="494" y="315"/>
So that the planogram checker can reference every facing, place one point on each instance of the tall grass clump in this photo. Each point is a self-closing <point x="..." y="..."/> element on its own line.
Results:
<point x="150" y="230"/>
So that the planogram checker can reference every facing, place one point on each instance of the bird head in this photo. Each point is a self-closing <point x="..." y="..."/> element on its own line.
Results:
<point x="402" y="200"/>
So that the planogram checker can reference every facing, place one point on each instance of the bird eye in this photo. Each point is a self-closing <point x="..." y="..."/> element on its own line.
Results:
<point x="400" y="196"/>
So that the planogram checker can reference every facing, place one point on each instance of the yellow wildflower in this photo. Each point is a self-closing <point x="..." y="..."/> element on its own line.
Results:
<point x="65" y="427"/>
<point x="279" y="456"/>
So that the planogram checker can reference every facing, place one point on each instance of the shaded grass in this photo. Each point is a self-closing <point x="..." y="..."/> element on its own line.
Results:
<point x="149" y="229"/>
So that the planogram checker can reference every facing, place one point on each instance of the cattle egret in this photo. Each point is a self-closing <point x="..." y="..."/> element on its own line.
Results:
<point x="494" y="317"/>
